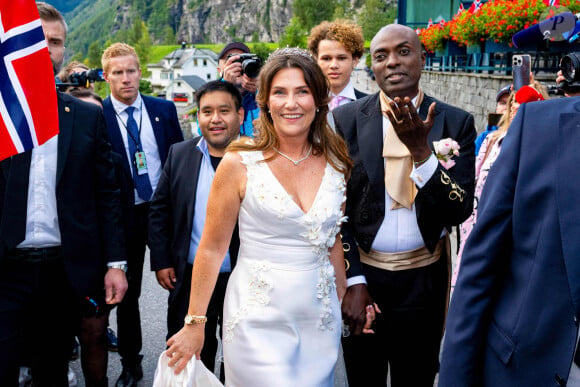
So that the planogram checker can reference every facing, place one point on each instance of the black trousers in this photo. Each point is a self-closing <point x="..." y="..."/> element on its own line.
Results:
<point x="129" y="334"/>
<point x="177" y="310"/>
<point x="408" y="332"/>
<point x="38" y="316"/>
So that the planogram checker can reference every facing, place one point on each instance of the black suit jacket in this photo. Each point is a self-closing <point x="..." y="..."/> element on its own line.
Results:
<point x="87" y="197"/>
<point x="172" y="211"/>
<point x="166" y="129"/>
<point x="359" y="94"/>
<point x="361" y="124"/>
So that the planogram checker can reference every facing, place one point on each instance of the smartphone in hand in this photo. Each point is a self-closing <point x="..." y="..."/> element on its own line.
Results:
<point x="521" y="71"/>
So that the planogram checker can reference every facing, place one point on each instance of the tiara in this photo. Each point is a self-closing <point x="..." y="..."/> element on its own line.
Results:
<point x="290" y="51"/>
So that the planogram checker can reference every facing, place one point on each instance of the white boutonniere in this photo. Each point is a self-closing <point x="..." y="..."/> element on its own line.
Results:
<point x="445" y="150"/>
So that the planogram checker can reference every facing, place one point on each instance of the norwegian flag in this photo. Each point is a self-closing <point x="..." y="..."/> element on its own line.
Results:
<point x="475" y="6"/>
<point x="461" y="9"/>
<point x="28" y="107"/>
<point x="430" y="23"/>
<point x="552" y="3"/>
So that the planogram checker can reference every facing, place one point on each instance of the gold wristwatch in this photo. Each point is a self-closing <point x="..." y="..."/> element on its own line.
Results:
<point x="191" y="319"/>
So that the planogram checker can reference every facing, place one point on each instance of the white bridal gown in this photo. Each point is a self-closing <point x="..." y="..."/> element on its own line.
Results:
<point x="282" y="320"/>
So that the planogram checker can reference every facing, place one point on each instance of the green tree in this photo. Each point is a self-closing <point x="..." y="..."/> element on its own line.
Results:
<point x="374" y="15"/>
<point x="312" y="12"/>
<point x="294" y="34"/>
<point x="255" y="37"/>
<point x="343" y="10"/>
<point x="262" y="50"/>
<point x="143" y="46"/>
<point x="168" y="36"/>
<point x="136" y="32"/>
<point x="94" y="55"/>
<point x="145" y="87"/>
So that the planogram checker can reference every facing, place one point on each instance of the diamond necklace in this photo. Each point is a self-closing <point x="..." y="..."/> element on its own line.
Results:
<point x="296" y="162"/>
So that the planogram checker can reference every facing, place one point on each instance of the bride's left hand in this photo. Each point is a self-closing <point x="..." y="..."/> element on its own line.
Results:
<point x="184" y="344"/>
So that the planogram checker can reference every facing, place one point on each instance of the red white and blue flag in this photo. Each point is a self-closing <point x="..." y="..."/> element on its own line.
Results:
<point x="461" y="9"/>
<point x="475" y="6"/>
<point x="552" y="3"/>
<point x="430" y="23"/>
<point x="28" y="106"/>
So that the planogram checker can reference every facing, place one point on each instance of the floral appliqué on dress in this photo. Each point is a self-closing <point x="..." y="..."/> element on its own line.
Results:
<point x="320" y="234"/>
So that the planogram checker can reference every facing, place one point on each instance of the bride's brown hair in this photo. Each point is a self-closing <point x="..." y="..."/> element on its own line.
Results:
<point x="323" y="138"/>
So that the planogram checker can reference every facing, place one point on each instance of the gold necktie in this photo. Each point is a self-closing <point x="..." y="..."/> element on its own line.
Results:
<point x="398" y="162"/>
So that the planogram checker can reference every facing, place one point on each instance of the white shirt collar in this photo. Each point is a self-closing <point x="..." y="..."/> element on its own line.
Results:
<point x="120" y="106"/>
<point x="347" y="92"/>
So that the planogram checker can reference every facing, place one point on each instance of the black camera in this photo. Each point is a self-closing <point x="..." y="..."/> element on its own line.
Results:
<point x="251" y="64"/>
<point x="570" y="66"/>
<point x="85" y="78"/>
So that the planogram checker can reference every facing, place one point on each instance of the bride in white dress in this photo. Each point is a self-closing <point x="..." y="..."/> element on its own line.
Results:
<point x="282" y="320"/>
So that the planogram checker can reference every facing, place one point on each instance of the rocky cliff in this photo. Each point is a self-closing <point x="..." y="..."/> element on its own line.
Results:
<point x="221" y="20"/>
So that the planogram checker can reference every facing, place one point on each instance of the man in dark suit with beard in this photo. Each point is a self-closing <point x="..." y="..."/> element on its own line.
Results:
<point x="178" y="207"/>
<point x="59" y="235"/>
<point x="400" y="205"/>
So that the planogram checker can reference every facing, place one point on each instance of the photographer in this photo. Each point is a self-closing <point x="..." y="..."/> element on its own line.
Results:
<point x="77" y="75"/>
<point x="567" y="78"/>
<point x="230" y="69"/>
<point x="72" y="68"/>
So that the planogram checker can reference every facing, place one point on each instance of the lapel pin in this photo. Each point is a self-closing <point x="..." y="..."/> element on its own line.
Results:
<point x="67" y="109"/>
<point x="156" y="119"/>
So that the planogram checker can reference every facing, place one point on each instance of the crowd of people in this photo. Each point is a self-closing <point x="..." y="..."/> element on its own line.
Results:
<point x="306" y="216"/>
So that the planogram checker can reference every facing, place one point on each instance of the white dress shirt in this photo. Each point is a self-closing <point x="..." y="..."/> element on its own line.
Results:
<point x="347" y="93"/>
<point x="42" y="228"/>
<point x="399" y="231"/>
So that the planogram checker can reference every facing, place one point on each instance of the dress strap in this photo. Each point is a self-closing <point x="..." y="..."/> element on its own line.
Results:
<point x="251" y="159"/>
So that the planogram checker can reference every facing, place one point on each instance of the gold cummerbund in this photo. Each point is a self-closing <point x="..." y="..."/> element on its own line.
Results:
<point x="404" y="260"/>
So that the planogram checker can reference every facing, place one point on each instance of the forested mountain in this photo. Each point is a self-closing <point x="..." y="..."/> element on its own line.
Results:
<point x="95" y="22"/>
<point x="65" y="6"/>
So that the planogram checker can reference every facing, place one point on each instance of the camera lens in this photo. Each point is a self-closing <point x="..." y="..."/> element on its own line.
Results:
<point x="570" y="65"/>
<point x="251" y="67"/>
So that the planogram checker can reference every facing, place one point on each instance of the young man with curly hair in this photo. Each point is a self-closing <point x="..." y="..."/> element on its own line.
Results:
<point x="337" y="47"/>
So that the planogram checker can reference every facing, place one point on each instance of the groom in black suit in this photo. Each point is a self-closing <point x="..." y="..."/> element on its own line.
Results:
<point x="400" y="205"/>
<point x="59" y="235"/>
<point x="178" y="207"/>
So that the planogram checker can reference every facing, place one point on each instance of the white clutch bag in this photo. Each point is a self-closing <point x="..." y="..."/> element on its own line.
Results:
<point x="195" y="374"/>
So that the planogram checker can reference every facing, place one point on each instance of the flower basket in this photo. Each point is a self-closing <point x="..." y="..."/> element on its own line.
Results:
<point x="450" y="48"/>
<point x="499" y="20"/>
<point x="492" y="46"/>
<point x="476" y="48"/>
<point x="434" y="37"/>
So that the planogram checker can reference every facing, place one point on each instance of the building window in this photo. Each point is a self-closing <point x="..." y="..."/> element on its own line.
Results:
<point x="195" y="62"/>
<point x="205" y="62"/>
<point x="178" y="84"/>
<point x="208" y="77"/>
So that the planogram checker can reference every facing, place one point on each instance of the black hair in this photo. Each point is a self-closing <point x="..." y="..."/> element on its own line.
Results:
<point x="221" y="85"/>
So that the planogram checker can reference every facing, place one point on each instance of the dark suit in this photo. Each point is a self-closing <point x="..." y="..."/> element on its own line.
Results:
<point x="513" y="318"/>
<point x="166" y="129"/>
<point x="88" y="208"/>
<point x="170" y="226"/>
<point x="361" y="125"/>
<point x="359" y="94"/>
